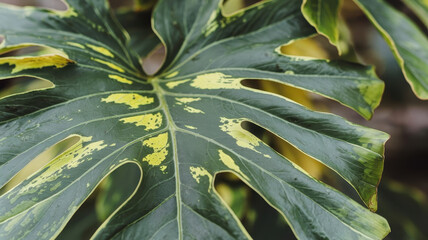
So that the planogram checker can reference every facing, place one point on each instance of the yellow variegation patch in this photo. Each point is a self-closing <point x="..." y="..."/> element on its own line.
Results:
<point x="216" y="81"/>
<point x="72" y="158"/>
<point x="101" y="50"/>
<point x="160" y="145"/>
<point x="24" y="63"/>
<point x="150" y="121"/>
<point x="76" y="45"/>
<point x="131" y="99"/>
<point x="243" y="138"/>
<point x="198" y="172"/>
<point x="120" y="79"/>
<point x="109" y="64"/>
<point x="228" y="161"/>
<point x="174" y="84"/>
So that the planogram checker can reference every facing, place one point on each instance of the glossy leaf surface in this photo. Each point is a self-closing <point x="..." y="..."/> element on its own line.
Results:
<point x="184" y="125"/>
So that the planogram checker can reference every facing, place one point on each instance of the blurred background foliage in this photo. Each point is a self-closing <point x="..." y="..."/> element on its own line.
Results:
<point x="403" y="189"/>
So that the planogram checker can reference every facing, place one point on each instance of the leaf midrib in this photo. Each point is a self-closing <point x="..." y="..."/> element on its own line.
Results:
<point x="173" y="128"/>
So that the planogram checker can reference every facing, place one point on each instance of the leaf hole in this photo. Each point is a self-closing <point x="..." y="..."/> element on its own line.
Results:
<point x="153" y="61"/>
<point x="48" y="4"/>
<point x="312" y="166"/>
<point x="256" y="215"/>
<point x="41" y="161"/>
<point x="303" y="97"/>
<point x="109" y="195"/>
<point x="306" y="98"/>
<point x="21" y="85"/>
<point x="309" y="164"/>
<point x="312" y="47"/>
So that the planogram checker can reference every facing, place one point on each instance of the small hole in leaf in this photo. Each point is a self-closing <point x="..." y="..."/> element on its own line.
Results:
<point x="308" y="99"/>
<point x="309" y="164"/>
<point x="154" y="60"/>
<point x="20" y="85"/>
<point x="257" y="216"/>
<point x="298" y="95"/>
<point x="107" y="197"/>
<point x="49" y="4"/>
<point x="312" y="101"/>
<point x="40" y="161"/>
<point x="314" y="47"/>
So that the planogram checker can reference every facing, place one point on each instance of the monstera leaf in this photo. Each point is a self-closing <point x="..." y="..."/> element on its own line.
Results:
<point x="408" y="43"/>
<point x="182" y="126"/>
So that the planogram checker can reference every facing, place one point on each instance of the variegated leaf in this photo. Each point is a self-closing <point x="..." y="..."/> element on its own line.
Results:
<point x="184" y="125"/>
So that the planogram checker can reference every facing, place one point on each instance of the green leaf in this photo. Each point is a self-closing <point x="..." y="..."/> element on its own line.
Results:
<point x="323" y="15"/>
<point x="420" y="7"/>
<point x="183" y="126"/>
<point x="407" y="42"/>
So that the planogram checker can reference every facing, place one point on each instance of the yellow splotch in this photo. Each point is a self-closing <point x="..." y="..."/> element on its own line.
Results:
<point x="216" y="81"/>
<point x="211" y="27"/>
<point x="190" y="127"/>
<point x="174" y="84"/>
<point x="212" y="24"/>
<point x="120" y="79"/>
<point x="86" y="139"/>
<point x="70" y="159"/>
<point x="75" y="45"/>
<point x="198" y="172"/>
<point x="193" y="110"/>
<point x="86" y="151"/>
<point x="186" y="100"/>
<point x="109" y="64"/>
<point x="150" y="121"/>
<point x="163" y="168"/>
<point x="70" y="12"/>
<point x="101" y="50"/>
<point x="160" y="145"/>
<point x="172" y="75"/>
<point x="131" y="99"/>
<point x="243" y="138"/>
<point x="228" y="161"/>
<point x="24" y="63"/>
